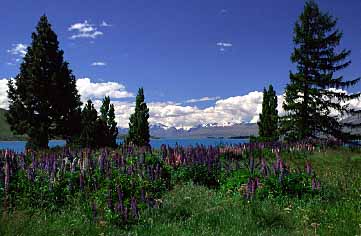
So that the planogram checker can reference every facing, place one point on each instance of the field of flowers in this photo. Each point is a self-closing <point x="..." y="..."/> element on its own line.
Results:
<point x="140" y="191"/>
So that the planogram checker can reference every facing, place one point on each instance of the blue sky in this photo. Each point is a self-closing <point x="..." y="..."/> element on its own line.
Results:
<point x="177" y="50"/>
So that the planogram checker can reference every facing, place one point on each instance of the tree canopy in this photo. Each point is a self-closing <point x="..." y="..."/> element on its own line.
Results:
<point x="138" y="122"/>
<point x="314" y="102"/>
<point x="43" y="100"/>
<point x="268" y="119"/>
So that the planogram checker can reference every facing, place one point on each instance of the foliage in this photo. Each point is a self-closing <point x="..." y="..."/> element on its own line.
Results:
<point x="107" y="117"/>
<point x="138" y="123"/>
<point x="113" y="186"/>
<point x="43" y="100"/>
<point x="312" y="95"/>
<point x="89" y="126"/>
<point x="268" y="119"/>
<point x="98" y="131"/>
<point x="188" y="209"/>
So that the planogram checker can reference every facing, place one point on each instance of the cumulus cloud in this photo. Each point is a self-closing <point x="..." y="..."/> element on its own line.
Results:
<point x="99" y="63"/>
<point x="236" y="109"/>
<point x="91" y="90"/>
<point x="3" y="94"/>
<point x="18" y="49"/>
<point x="203" y="99"/>
<point x="225" y="111"/>
<point x="84" y="30"/>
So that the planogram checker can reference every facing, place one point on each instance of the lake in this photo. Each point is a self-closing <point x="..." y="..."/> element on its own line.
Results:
<point x="19" y="146"/>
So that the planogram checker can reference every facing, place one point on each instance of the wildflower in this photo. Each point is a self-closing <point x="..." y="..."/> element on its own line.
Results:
<point x="81" y="181"/>
<point x="134" y="208"/>
<point x="308" y="168"/>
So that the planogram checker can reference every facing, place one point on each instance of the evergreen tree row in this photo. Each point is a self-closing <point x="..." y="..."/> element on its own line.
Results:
<point x="98" y="131"/>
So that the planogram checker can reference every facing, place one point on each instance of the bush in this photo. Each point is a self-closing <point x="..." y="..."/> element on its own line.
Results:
<point x="293" y="184"/>
<point x="200" y="174"/>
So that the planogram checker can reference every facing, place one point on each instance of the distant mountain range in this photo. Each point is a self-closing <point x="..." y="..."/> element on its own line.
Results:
<point x="162" y="131"/>
<point x="201" y="131"/>
<point x="213" y="130"/>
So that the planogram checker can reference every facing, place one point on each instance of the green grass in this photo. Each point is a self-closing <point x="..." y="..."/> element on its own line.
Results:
<point x="196" y="210"/>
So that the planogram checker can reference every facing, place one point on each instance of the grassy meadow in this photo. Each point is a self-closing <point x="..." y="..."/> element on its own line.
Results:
<point x="189" y="208"/>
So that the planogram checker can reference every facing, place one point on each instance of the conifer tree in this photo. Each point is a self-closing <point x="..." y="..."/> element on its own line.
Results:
<point x="313" y="94"/>
<point x="107" y="123"/>
<point x="138" y="122"/>
<point x="89" y="126"/>
<point x="268" y="119"/>
<point x="43" y="100"/>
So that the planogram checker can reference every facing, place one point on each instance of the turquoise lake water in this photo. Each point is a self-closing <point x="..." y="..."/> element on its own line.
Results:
<point x="19" y="146"/>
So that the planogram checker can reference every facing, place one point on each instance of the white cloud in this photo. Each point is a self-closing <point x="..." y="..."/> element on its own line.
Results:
<point x="84" y="30"/>
<point x="88" y="89"/>
<point x="203" y="99"/>
<point x="99" y="63"/>
<point x="105" y="24"/>
<point x="3" y="93"/>
<point x="236" y="109"/>
<point x="18" y="49"/>
<point x="224" y="45"/>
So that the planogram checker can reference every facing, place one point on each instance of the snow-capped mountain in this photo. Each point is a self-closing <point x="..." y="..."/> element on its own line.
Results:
<point x="212" y="130"/>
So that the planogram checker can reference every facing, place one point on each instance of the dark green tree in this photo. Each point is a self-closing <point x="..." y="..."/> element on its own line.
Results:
<point x="89" y="126"/>
<point x="268" y="119"/>
<point x="43" y="100"/>
<point x="107" y="123"/>
<point x="312" y="95"/>
<point x="138" y="122"/>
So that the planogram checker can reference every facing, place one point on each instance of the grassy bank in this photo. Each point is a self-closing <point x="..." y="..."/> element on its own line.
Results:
<point x="190" y="209"/>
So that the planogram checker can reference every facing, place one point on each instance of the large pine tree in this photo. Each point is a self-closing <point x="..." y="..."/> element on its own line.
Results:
<point x="43" y="100"/>
<point x="138" y="123"/>
<point x="268" y="119"/>
<point x="313" y="101"/>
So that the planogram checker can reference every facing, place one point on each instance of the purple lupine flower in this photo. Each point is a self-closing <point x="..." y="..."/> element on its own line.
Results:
<point x="120" y="194"/>
<point x="129" y="170"/>
<point x="251" y="164"/>
<point x="134" y="208"/>
<point x="264" y="168"/>
<point x="252" y="186"/>
<point x="81" y="181"/>
<point x="101" y="163"/>
<point x="142" y="195"/>
<point x="7" y="172"/>
<point x="308" y="168"/>
<point x="316" y="185"/>
<point x="125" y="214"/>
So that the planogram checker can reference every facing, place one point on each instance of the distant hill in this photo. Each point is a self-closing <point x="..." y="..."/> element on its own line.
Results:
<point x="202" y="131"/>
<point x="5" y="131"/>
